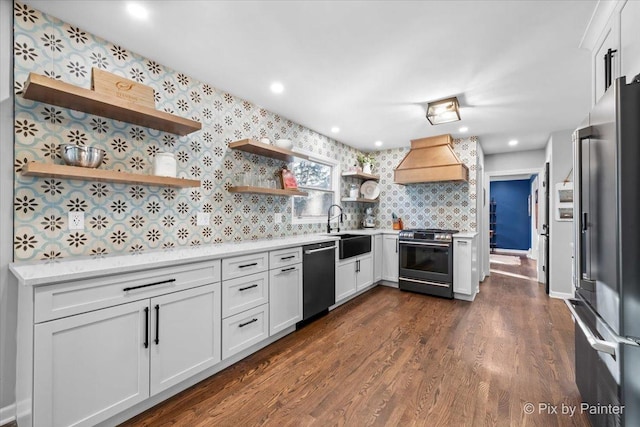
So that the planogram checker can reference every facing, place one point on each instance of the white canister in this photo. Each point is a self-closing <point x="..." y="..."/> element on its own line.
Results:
<point x="164" y="164"/>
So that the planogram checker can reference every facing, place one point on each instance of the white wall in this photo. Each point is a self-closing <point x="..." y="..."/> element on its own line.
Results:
<point x="8" y="288"/>
<point x="560" y="154"/>
<point x="534" y="229"/>
<point x="483" y="237"/>
<point x="504" y="162"/>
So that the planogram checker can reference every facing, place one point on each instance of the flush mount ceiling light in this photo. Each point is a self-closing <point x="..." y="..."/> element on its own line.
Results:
<point x="277" y="87"/>
<point x="443" y="111"/>
<point x="378" y="143"/>
<point x="513" y="142"/>
<point x="335" y="129"/>
<point x="463" y="129"/>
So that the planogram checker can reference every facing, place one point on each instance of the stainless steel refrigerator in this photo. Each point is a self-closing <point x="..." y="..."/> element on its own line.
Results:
<point x="607" y="257"/>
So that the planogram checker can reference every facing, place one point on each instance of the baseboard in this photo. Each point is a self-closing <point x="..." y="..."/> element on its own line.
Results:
<point x="7" y="414"/>
<point x="561" y="295"/>
<point x="388" y="284"/>
<point x="511" y="251"/>
<point x="464" y="297"/>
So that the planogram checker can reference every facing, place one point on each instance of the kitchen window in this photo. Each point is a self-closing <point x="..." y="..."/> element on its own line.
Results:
<point x="319" y="177"/>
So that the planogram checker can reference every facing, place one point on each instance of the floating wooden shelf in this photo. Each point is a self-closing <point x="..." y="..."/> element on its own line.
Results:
<point x="44" y="89"/>
<point x="89" y="174"/>
<point x="361" y="175"/>
<point x="267" y="150"/>
<point x="359" y="199"/>
<point x="264" y="190"/>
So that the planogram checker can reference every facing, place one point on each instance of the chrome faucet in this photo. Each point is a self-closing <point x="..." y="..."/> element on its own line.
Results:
<point x="329" y="218"/>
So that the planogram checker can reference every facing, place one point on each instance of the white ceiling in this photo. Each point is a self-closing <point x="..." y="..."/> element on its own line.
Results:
<point x="369" y="67"/>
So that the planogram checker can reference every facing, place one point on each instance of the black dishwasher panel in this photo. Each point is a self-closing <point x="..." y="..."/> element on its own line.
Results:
<point x="318" y="278"/>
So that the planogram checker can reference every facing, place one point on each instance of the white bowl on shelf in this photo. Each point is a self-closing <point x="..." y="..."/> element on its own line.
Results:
<point x="284" y="143"/>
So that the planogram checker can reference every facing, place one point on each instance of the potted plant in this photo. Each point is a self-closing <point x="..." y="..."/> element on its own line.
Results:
<point x="366" y="161"/>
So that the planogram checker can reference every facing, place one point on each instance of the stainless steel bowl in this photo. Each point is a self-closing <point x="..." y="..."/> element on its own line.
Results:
<point x="86" y="157"/>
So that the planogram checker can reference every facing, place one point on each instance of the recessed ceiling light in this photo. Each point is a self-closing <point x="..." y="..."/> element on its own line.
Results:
<point x="463" y="129"/>
<point x="137" y="11"/>
<point x="335" y="129"/>
<point x="378" y="143"/>
<point x="513" y="142"/>
<point x="277" y="87"/>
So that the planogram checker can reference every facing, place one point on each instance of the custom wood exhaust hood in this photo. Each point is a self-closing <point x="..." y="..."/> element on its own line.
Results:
<point x="431" y="159"/>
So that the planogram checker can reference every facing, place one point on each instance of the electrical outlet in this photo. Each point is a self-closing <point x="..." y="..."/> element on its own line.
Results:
<point x="204" y="218"/>
<point x="277" y="217"/>
<point x="76" y="220"/>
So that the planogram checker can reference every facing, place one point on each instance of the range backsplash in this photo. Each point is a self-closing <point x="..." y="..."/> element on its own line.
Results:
<point x="121" y="219"/>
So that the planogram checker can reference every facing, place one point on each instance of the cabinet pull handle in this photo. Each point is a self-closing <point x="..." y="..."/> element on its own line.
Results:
<point x="397" y="243"/>
<point x="131" y="288"/>
<point x="146" y="327"/>
<point x="248" y="265"/>
<point x="584" y="225"/>
<point x="255" y="285"/>
<point x="462" y="242"/>
<point x="287" y="257"/>
<point x="241" y="325"/>
<point x="157" y="340"/>
<point x="284" y="270"/>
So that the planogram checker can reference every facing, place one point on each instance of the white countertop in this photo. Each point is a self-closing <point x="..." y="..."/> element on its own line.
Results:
<point x="465" y="235"/>
<point x="50" y="272"/>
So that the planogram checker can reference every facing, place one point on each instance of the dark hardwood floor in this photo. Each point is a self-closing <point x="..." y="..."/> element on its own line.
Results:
<point x="393" y="358"/>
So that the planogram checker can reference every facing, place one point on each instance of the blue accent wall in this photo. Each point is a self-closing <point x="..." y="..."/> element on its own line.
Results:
<point x="513" y="222"/>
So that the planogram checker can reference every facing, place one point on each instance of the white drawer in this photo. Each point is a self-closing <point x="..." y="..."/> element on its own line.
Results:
<point x="244" y="293"/>
<point x="244" y="265"/>
<point x="285" y="257"/>
<point x="244" y="330"/>
<point x="66" y="299"/>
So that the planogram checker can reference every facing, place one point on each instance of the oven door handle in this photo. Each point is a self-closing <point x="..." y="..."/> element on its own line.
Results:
<point x="425" y="282"/>
<point x="595" y="343"/>
<point x="439" y="245"/>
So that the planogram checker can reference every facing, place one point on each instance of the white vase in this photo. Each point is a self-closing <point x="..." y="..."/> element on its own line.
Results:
<point x="366" y="168"/>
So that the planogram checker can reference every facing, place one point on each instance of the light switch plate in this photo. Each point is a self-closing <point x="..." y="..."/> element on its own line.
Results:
<point x="76" y="220"/>
<point x="277" y="217"/>
<point x="204" y="218"/>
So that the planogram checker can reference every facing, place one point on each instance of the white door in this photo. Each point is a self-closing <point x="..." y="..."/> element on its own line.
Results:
<point x="345" y="279"/>
<point x="390" y="256"/>
<point x="285" y="297"/>
<point x="377" y="256"/>
<point x="184" y="335"/>
<point x="364" y="276"/>
<point x="91" y="366"/>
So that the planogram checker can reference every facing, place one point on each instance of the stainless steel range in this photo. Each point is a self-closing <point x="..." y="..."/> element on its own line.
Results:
<point x="426" y="261"/>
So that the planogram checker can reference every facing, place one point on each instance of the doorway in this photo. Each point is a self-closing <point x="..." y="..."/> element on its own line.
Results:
<point x="514" y="220"/>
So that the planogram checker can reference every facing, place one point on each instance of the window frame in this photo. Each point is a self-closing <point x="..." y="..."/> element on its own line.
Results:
<point x="335" y="185"/>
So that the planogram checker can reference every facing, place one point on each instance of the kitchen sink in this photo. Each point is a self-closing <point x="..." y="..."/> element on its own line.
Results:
<point x="351" y="245"/>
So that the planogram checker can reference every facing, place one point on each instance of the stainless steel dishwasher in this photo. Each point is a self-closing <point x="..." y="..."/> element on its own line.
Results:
<point x="318" y="278"/>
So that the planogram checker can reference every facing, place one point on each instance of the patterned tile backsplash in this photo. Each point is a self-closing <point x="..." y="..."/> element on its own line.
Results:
<point x="123" y="218"/>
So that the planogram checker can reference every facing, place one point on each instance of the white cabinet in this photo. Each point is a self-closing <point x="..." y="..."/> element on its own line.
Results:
<point x="607" y="45"/>
<point x="465" y="267"/>
<point x="390" y="256"/>
<point x="285" y="297"/>
<point x="185" y="339"/>
<point x="377" y="258"/>
<point x="353" y="275"/>
<point x="90" y="366"/>
<point x="364" y="271"/>
<point x="244" y="293"/>
<point x="102" y="345"/>
<point x="243" y="330"/>
<point x="630" y="39"/>
<point x="345" y="280"/>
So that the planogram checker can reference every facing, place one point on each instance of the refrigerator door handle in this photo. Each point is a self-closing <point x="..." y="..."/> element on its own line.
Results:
<point x="595" y="343"/>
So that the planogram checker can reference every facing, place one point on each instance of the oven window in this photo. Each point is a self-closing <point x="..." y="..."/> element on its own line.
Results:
<point x="424" y="258"/>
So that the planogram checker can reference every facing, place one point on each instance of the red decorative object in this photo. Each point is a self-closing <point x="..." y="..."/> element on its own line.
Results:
<point x="288" y="179"/>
